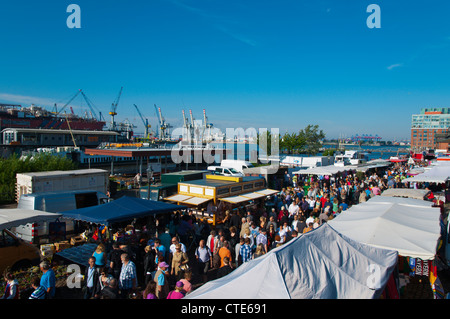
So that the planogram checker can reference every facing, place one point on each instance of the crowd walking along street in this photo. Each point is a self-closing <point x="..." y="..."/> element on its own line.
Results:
<point x="174" y="254"/>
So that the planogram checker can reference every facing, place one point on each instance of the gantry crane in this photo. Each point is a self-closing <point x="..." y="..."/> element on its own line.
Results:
<point x="163" y="130"/>
<point x="206" y="126"/>
<point x="113" y="111"/>
<point x="145" y="121"/>
<point x="188" y="128"/>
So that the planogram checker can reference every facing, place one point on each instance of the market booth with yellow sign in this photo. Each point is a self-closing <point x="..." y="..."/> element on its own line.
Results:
<point x="215" y="193"/>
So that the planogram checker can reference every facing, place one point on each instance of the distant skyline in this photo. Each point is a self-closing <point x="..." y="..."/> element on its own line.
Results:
<point x="262" y="64"/>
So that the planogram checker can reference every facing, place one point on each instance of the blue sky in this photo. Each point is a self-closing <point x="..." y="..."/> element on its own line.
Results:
<point x="283" y="64"/>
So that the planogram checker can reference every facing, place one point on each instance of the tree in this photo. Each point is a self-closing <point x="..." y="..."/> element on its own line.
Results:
<point x="14" y="164"/>
<point x="307" y="140"/>
<point x="312" y="137"/>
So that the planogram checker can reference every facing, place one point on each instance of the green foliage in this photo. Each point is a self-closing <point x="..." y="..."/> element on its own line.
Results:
<point x="328" y="152"/>
<point x="13" y="165"/>
<point x="307" y="140"/>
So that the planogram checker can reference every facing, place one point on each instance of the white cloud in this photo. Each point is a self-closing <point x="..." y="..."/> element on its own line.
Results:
<point x="393" y="66"/>
<point x="25" y="99"/>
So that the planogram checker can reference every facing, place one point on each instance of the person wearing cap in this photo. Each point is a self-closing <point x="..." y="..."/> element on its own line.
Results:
<point x="162" y="280"/>
<point x="177" y="293"/>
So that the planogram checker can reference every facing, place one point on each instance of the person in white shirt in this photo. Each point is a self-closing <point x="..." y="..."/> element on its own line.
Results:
<point x="310" y="220"/>
<point x="293" y="209"/>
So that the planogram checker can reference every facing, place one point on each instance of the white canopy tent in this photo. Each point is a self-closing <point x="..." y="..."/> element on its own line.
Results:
<point x="326" y="170"/>
<point x="437" y="174"/>
<point x="15" y="217"/>
<point x="321" y="264"/>
<point x="409" y="226"/>
<point x="405" y="192"/>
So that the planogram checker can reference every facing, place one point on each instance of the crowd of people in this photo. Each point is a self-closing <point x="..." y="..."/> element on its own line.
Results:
<point x="164" y="264"/>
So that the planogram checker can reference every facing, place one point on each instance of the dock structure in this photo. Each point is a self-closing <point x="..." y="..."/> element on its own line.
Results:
<point x="153" y="155"/>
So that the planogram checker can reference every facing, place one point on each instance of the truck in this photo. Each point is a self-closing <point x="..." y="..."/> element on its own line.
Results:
<point x="238" y="165"/>
<point x="169" y="184"/>
<point x="57" y="181"/>
<point x="54" y="202"/>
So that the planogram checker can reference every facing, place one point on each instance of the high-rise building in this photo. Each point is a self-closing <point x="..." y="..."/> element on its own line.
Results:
<point x="426" y="125"/>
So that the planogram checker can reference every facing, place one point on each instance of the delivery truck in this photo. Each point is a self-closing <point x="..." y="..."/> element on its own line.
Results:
<point x="57" y="181"/>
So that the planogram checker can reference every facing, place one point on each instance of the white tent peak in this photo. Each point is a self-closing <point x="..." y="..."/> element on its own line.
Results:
<point x="320" y="264"/>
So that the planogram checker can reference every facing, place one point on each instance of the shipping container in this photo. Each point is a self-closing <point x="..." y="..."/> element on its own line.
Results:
<point x="56" y="181"/>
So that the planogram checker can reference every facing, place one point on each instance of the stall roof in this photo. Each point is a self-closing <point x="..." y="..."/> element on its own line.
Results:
<point x="187" y="199"/>
<point x="15" y="217"/>
<point x="326" y="170"/>
<point x="409" y="226"/>
<point x="249" y="196"/>
<point x="405" y="192"/>
<point x="122" y="209"/>
<point x="437" y="174"/>
<point x="321" y="264"/>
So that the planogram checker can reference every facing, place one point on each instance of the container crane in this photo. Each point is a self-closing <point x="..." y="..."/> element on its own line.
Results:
<point x="164" y="127"/>
<point x="113" y="111"/>
<point x="206" y="126"/>
<point x="145" y="121"/>
<point x="188" y="127"/>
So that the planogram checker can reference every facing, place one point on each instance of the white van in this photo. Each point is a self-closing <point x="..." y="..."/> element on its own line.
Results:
<point x="238" y="165"/>
<point x="54" y="202"/>
<point x="224" y="171"/>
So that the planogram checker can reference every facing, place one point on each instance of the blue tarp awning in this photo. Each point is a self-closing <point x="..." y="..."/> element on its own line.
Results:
<point x="122" y="209"/>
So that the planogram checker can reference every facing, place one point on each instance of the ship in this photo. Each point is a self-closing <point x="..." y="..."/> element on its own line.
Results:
<point x="35" y="117"/>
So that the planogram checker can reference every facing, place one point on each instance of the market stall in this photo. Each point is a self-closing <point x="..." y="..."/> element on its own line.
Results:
<point x="407" y="225"/>
<point x="321" y="264"/>
<point x="207" y="196"/>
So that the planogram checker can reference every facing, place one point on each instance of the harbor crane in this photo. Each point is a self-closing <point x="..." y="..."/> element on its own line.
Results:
<point x="113" y="111"/>
<point x="88" y="102"/>
<point x="188" y="127"/>
<point x="145" y="121"/>
<point x="206" y="126"/>
<point x="71" y="99"/>
<point x="163" y="131"/>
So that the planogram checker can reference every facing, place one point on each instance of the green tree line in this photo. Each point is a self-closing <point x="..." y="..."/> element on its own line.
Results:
<point x="14" y="164"/>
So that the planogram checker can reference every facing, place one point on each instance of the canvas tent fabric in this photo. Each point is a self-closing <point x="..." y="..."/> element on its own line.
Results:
<point x="437" y="174"/>
<point x="326" y="170"/>
<point x="409" y="226"/>
<point x="320" y="264"/>
<point x="405" y="192"/>
<point x="122" y="209"/>
<point x="15" y="217"/>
